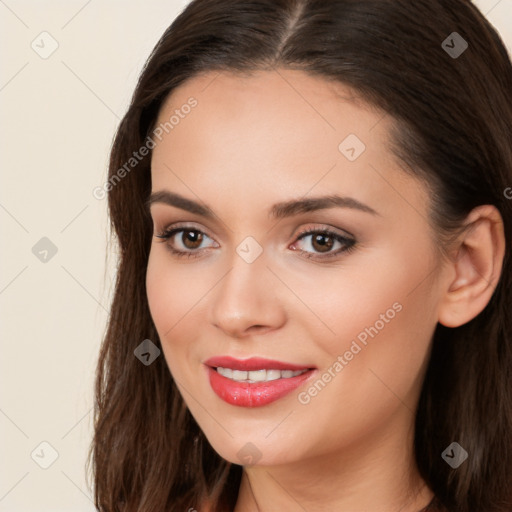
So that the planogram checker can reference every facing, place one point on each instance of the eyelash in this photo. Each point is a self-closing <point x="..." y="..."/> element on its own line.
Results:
<point x="349" y="243"/>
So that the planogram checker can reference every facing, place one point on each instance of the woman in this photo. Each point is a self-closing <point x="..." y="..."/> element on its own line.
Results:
<point x="312" y="306"/>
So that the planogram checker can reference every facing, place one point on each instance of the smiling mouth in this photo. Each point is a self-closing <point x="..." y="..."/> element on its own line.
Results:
<point x="256" y="381"/>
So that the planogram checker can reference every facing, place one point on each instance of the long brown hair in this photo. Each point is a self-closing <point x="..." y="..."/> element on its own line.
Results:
<point x="453" y="115"/>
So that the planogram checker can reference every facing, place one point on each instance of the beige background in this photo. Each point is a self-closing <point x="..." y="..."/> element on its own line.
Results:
<point x="58" y="116"/>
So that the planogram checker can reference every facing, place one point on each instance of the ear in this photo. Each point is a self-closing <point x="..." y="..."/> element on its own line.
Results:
<point x="475" y="269"/>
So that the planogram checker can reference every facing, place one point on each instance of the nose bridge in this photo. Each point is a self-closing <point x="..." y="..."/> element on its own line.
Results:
<point x="245" y="296"/>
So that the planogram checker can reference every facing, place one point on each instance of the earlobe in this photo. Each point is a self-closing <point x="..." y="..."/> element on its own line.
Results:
<point x="476" y="267"/>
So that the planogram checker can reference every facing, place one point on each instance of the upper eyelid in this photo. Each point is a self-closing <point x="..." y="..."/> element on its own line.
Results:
<point x="323" y="228"/>
<point x="342" y="233"/>
<point x="184" y="226"/>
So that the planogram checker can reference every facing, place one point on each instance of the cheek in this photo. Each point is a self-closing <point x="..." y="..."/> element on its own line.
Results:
<point x="374" y="363"/>
<point x="386" y="334"/>
<point x="161" y="292"/>
<point x="177" y="296"/>
<point x="172" y="289"/>
<point x="381" y="314"/>
<point x="379" y="294"/>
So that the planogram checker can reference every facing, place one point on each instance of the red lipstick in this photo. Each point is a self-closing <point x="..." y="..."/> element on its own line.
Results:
<point x="253" y="394"/>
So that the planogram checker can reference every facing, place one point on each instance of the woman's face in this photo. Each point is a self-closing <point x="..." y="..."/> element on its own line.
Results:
<point x="352" y="305"/>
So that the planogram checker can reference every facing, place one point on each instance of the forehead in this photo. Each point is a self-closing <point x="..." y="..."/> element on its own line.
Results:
<point x="288" y="103"/>
<point x="273" y="134"/>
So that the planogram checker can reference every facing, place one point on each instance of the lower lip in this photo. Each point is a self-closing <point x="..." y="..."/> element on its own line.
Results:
<point x="246" y="394"/>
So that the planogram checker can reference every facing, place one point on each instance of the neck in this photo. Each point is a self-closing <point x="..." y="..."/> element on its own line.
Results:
<point x="379" y="476"/>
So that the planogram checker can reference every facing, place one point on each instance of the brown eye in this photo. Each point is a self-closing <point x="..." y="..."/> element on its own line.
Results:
<point x="191" y="239"/>
<point x="184" y="241"/>
<point x="322" y="242"/>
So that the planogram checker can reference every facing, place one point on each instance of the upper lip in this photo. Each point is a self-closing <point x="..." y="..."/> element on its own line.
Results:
<point x="252" y="363"/>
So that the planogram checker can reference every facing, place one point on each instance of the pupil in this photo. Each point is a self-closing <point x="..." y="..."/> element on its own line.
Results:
<point x="321" y="239"/>
<point x="191" y="237"/>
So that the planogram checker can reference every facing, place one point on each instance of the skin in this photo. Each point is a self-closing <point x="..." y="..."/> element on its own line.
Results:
<point x="253" y="141"/>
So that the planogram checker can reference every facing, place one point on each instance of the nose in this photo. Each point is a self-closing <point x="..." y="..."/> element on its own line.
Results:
<point x="245" y="301"/>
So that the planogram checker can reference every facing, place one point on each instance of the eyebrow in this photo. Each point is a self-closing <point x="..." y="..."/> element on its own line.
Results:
<point x="277" y="211"/>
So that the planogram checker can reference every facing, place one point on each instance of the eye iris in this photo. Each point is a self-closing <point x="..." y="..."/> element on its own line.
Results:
<point x="193" y="237"/>
<point x="321" y="239"/>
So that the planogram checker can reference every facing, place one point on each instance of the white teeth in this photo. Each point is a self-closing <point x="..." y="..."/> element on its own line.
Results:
<point x="258" y="375"/>
<point x="239" y="375"/>
<point x="273" y="374"/>
<point x="226" y="372"/>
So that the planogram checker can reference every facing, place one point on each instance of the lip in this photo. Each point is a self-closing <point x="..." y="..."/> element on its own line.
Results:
<point x="256" y="394"/>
